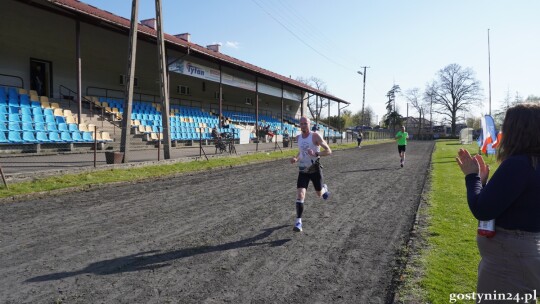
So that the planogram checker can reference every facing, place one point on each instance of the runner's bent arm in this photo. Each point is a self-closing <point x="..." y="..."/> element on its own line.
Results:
<point x="319" y="141"/>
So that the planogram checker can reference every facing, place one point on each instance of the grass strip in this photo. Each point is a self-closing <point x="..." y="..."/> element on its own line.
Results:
<point x="447" y="261"/>
<point x="99" y="176"/>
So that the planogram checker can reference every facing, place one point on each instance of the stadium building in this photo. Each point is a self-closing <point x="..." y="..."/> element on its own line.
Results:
<point x="63" y="66"/>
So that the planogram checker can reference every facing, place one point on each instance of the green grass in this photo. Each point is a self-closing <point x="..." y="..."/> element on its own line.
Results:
<point x="100" y="176"/>
<point x="448" y="260"/>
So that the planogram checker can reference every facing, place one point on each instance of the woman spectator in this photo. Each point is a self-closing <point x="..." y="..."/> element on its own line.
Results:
<point x="510" y="260"/>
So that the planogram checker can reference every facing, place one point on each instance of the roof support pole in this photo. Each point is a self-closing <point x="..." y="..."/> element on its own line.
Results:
<point x="257" y="112"/>
<point x="79" y="76"/>
<point x="163" y="84"/>
<point x="339" y="120"/>
<point x="281" y="111"/>
<point x="328" y="126"/>
<point x="132" y="55"/>
<point x="220" y="97"/>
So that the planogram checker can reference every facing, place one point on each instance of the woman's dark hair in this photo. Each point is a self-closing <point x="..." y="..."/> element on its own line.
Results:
<point x="521" y="133"/>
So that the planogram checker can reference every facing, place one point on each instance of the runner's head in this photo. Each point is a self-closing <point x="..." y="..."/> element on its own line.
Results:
<point x="304" y="124"/>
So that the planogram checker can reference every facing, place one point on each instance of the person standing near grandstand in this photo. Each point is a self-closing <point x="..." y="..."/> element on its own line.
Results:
<point x="359" y="138"/>
<point x="510" y="260"/>
<point x="401" y="138"/>
<point x="309" y="153"/>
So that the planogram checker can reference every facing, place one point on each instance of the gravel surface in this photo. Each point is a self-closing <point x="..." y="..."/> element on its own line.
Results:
<point x="222" y="236"/>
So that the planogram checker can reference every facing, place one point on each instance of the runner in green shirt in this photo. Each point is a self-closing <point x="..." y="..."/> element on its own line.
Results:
<point x="401" y="138"/>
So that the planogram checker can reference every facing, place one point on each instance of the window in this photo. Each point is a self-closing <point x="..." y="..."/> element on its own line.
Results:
<point x="249" y="101"/>
<point x="216" y="95"/>
<point x="287" y="107"/>
<point x="123" y="81"/>
<point x="183" y="90"/>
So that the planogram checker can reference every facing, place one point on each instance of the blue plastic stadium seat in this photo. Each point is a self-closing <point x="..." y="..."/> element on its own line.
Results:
<point x="28" y="137"/>
<point x="15" y="137"/>
<point x="3" y="138"/>
<point x="63" y="127"/>
<point x="50" y="119"/>
<point x="87" y="137"/>
<point x="26" y="111"/>
<point x="27" y="126"/>
<point x="73" y="127"/>
<point x="14" y="117"/>
<point x="76" y="136"/>
<point x="37" y="111"/>
<point x="51" y="126"/>
<point x="26" y="118"/>
<point x="13" y="103"/>
<point x="14" y="126"/>
<point x="12" y="93"/>
<point x="60" y="119"/>
<point x="39" y="118"/>
<point x="54" y="137"/>
<point x="3" y="127"/>
<point x="48" y="112"/>
<point x="42" y="137"/>
<point x="66" y="136"/>
<point x="40" y="126"/>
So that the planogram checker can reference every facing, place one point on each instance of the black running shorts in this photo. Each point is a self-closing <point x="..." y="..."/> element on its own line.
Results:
<point x="401" y="148"/>
<point x="304" y="178"/>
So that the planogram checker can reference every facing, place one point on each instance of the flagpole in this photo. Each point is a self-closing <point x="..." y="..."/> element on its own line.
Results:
<point x="489" y="73"/>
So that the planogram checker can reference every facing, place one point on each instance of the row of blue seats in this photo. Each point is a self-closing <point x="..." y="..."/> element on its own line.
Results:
<point x="30" y="119"/>
<point x="14" y="108"/>
<point x="156" y="129"/>
<point x="19" y="104"/>
<point x="173" y="123"/>
<point x="48" y="126"/>
<point x="16" y="137"/>
<point x="33" y="110"/>
<point x="190" y="136"/>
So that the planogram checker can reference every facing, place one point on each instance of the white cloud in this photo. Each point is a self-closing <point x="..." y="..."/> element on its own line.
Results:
<point x="233" y="44"/>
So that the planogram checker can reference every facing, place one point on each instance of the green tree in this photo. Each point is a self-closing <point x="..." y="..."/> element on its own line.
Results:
<point x="392" y="118"/>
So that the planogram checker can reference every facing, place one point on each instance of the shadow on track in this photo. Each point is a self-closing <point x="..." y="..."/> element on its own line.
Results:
<point x="143" y="261"/>
<point x="373" y="169"/>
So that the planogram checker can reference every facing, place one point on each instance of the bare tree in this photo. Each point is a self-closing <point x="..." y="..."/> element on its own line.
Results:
<point x="429" y="96"/>
<point x="414" y="97"/>
<point x="455" y="90"/>
<point x="315" y="103"/>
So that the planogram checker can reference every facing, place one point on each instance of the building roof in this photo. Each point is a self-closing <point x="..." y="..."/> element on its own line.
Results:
<point x="101" y="16"/>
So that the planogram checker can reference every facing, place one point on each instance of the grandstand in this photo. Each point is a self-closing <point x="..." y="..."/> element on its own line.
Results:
<point x="48" y="103"/>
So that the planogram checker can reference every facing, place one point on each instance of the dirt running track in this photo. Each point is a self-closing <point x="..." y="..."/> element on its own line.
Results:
<point x="223" y="236"/>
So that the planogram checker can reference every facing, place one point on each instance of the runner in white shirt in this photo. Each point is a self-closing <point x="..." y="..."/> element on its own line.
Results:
<point x="309" y="152"/>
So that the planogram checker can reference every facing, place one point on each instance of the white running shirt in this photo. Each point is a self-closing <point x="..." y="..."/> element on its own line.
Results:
<point x="304" y="160"/>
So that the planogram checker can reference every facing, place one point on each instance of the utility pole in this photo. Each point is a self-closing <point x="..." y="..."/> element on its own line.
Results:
<point x="363" y="94"/>
<point x="489" y="73"/>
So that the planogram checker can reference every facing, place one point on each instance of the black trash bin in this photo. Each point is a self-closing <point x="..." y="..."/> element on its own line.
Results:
<point x="112" y="157"/>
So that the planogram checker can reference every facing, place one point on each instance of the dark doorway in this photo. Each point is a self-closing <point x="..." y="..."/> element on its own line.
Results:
<point x="41" y="76"/>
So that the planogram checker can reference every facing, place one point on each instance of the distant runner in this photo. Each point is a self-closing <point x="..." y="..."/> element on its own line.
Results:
<point x="401" y="138"/>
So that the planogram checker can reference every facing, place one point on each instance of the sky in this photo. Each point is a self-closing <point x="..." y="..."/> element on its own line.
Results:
<point x="401" y="42"/>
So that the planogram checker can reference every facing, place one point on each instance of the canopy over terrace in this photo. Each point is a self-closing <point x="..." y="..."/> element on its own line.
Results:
<point x="87" y="13"/>
<point x="82" y="12"/>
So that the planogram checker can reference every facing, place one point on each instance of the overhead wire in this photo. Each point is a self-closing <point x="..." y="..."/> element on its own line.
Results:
<point x="318" y="34"/>
<point x="297" y="36"/>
